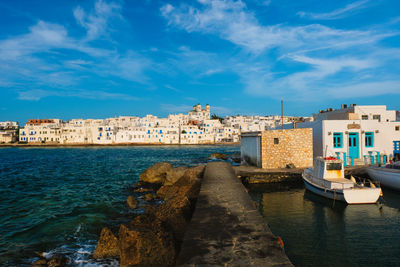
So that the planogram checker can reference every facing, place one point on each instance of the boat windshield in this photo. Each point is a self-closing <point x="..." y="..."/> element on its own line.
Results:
<point x="334" y="166"/>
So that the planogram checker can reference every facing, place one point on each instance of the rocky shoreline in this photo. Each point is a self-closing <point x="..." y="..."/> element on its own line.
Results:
<point x="161" y="204"/>
<point x="154" y="238"/>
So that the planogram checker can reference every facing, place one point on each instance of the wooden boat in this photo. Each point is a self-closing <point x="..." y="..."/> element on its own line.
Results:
<point x="388" y="175"/>
<point x="327" y="179"/>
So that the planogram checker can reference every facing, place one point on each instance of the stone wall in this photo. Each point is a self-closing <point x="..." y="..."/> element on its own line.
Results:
<point x="282" y="147"/>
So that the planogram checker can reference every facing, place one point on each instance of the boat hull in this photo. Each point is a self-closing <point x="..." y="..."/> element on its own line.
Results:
<point x="350" y="196"/>
<point x="387" y="177"/>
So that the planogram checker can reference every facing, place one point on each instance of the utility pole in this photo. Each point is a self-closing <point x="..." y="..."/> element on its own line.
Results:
<point x="282" y="112"/>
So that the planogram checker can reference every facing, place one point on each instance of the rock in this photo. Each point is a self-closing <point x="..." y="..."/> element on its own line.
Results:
<point x="132" y="203"/>
<point x="142" y="190"/>
<point x="57" y="261"/>
<point x="155" y="174"/>
<point x="188" y="185"/>
<point x="219" y="156"/>
<point x="40" y="263"/>
<point x="144" y="242"/>
<point x="149" y="197"/>
<point x="54" y="261"/>
<point x="174" y="174"/>
<point x="176" y="214"/>
<point x="107" y="246"/>
<point x="236" y="158"/>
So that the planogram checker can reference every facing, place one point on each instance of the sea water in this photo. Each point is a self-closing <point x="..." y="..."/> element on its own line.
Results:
<point x="320" y="232"/>
<point x="56" y="200"/>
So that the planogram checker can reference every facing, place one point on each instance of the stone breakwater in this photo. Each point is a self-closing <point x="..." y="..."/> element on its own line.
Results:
<point x="154" y="238"/>
<point x="226" y="229"/>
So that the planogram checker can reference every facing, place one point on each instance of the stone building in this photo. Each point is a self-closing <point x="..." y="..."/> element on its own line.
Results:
<point x="278" y="148"/>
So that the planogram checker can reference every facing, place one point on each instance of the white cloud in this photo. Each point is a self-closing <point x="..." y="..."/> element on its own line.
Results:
<point x="232" y="21"/>
<point x="350" y="56"/>
<point x="336" y="14"/>
<point x="38" y="57"/>
<point x="97" y="22"/>
<point x="37" y="94"/>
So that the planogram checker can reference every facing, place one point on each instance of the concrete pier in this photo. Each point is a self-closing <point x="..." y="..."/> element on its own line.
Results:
<point x="226" y="229"/>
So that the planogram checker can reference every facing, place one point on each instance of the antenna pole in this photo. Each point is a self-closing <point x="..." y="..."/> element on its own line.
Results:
<point x="282" y="113"/>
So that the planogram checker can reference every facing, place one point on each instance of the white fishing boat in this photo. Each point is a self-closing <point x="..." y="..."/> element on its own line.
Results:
<point x="327" y="179"/>
<point x="388" y="175"/>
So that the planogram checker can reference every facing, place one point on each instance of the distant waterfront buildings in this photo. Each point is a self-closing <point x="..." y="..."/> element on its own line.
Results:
<point x="195" y="127"/>
<point x="8" y="131"/>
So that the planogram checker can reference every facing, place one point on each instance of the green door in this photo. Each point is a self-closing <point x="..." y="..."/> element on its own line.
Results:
<point x="354" y="145"/>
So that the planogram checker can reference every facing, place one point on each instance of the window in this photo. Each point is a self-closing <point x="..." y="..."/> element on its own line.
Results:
<point x="337" y="140"/>
<point x="376" y="117"/>
<point x="397" y="128"/>
<point x="369" y="139"/>
<point x="364" y="117"/>
<point x="333" y="166"/>
<point x="276" y="141"/>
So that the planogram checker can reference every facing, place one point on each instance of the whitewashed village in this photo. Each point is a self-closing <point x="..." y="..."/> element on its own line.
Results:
<point x="195" y="127"/>
<point x="356" y="134"/>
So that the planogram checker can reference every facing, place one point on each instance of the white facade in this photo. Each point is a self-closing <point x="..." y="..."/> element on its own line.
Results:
<point x="195" y="127"/>
<point x="8" y="131"/>
<point x="370" y="131"/>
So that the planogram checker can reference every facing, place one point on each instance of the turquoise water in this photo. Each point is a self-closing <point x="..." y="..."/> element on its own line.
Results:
<point x="58" y="199"/>
<point x="318" y="232"/>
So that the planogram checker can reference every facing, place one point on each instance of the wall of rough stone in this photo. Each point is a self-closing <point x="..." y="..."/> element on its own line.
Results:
<point x="294" y="146"/>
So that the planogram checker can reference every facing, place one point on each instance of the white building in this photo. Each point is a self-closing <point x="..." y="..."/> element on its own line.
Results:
<point x="195" y="127"/>
<point x="355" y="132"/>
<point x="8" y="131"/>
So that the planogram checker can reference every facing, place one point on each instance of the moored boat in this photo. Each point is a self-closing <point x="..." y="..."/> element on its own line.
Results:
<point x="388" y="175"/>
<point x="327" y="179"/>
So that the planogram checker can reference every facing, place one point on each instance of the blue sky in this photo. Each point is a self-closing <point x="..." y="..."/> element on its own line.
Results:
<point x="98" y="58"/>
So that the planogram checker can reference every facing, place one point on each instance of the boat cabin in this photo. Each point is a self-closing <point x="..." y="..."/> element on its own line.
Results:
<point x="331" y="171"/>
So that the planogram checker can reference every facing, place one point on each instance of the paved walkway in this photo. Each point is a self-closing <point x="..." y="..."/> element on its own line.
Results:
<point x="225" y="228"/>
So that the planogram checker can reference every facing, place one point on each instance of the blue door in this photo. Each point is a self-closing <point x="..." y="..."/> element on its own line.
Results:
<point x="353" y="145"/>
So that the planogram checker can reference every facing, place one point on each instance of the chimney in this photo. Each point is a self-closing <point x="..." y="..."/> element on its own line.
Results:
<point x="343" y="106"/>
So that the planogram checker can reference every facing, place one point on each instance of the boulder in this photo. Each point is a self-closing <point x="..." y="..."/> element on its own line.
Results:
<point x="149" y="197"/>
<point x="219" y="156"/>
<point x="144" y="242"/>
<point x="188" y="185"/>
<point x="175" y="214"/>
<point x="132" y="202"/>
<point x="107" y="246"/>
<point x="236" y="158"/>
<point x="57" y="261"/>
<point x="155" y="174"/>
<point x="173" y="175"/>
<point x="142" y="190"/>
<point x="54" y="261"/>
<point x="40" y="263"/>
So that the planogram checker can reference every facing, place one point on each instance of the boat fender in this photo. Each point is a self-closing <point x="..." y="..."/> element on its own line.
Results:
<point x="373" y="185"/>
<point x="381" y="193"/>
<point x="280" y="241"/>
<point x="353" y="179"/>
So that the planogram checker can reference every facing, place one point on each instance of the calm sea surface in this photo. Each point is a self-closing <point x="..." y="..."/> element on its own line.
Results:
<point x="318" y="232"/>
<point x="58" y="199"/>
